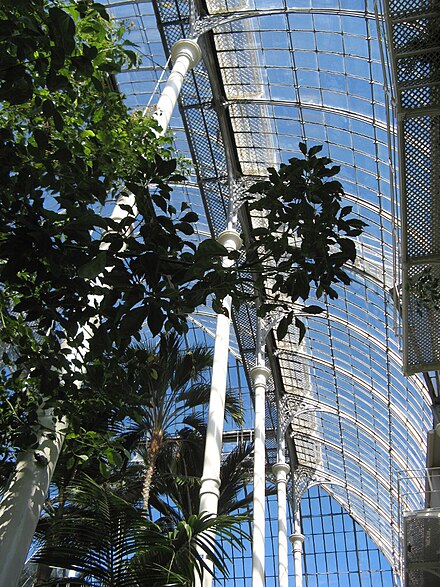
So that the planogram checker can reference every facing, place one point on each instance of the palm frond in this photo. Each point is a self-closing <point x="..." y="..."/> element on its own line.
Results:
<point x="110" y="543"/>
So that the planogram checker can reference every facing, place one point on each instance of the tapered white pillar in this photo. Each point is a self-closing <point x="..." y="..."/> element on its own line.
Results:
<point x="210" y="482"/>
<point x="185" y="55"/>
<point x="20" y="509"/>
<point x="260" y="375"/>
<point x="22" y="503"/>
<point x="297" y="539"/>
<point x="281" y="470"/>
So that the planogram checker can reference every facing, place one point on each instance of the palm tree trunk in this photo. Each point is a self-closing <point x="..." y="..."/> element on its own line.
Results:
<point x="153" y="448"/>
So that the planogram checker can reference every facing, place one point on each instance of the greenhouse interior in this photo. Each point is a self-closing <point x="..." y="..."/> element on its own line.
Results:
<point x="339" y="430"/>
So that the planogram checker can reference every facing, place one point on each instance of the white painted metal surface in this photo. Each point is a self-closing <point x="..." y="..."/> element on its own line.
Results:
<point x="260" y="375"/>
<point x="210" y="482"/>
<point x="281" y="470"/>
<point x="22" y="503"/>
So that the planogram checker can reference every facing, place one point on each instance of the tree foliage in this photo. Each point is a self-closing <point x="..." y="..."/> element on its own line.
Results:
<point x="162" y="441"/>
<point x="307" y="235"/>
<point x="173" y="401"/>
<point x="69" y="147"/>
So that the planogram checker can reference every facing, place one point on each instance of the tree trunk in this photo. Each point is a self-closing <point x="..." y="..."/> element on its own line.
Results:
<point x="25" y="496"/>
<point x="153" y="448"/>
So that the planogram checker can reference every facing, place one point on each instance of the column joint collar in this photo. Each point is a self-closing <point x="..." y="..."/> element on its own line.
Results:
<point x="187" y="47"/>
<point x="230" y="239"/>
<point x="281" y="468"/>
<point x="259" y="371"/>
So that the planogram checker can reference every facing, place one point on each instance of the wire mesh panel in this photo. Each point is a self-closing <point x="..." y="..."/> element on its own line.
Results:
<point x="415" y="34"/>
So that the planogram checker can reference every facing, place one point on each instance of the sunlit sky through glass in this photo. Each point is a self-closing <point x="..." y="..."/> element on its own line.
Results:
<point x="280" y="72"/>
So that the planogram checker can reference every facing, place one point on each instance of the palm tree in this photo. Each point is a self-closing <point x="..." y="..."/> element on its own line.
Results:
<point x="166" y="421"/>
<point x="173" y="394"/>
<point x="108" y="542"/>
<point x="179" y="469"/>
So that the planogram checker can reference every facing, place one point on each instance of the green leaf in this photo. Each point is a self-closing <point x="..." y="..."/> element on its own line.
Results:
<point x="314" y="150"/>
<point x="313" y="309"/>
<point x="301" y="327"/>
<point x="41" y="138"/>
<point x="334" y="170"/>
<point x="346" y="210"/>
<point x="57" y="82"/>
<point x="190" y="217"/>
<point x="184" y="227"/>
<point x="132" y="321"/>
<point x="62" y="28"/>
<point x="165" y="167"/>
<point x="17" y="89"/>
<point x="83" y="65"/>
<point x="90" y="52"/>
<point x="100" y="9"/>
<point x="303" y="148"/>
<point x="94" y="267"/>
<point x="63" y="154"/>
<point x="283" y="326"/>
<point x="48" y="108"/>
<point x="58" y="120"/>
<point x="113" y="457"/>
<point x="104" y="470"/>
<point x="348" y="248"/>
<point x="211" y="247"/>
<point x="155" y="319"/>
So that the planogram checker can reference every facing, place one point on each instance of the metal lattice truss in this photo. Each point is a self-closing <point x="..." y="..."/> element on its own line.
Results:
<point x="275" y="73"/>
<point x="414" y="30"/>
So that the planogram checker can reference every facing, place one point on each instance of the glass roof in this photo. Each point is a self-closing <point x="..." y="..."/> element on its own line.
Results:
<point x="274" y="73"/>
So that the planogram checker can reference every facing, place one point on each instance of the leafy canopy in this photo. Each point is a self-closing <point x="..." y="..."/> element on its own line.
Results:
<point x="307" y="237"/>
<point x="68" y="148"/>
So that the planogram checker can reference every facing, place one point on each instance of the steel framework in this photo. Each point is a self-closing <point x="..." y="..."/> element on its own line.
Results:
<point x="273" y="73"/>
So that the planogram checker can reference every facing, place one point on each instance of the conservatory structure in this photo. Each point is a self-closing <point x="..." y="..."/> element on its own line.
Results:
<point x="344" y="423"/>
<point x="350" y="412"/>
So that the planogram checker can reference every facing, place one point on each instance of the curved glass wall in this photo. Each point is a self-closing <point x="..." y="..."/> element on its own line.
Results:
<point x="274" y="73"/>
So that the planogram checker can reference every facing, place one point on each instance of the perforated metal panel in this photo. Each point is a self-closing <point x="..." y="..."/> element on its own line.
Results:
<point x="422" y="549"/>
<point x="415" y="33"/>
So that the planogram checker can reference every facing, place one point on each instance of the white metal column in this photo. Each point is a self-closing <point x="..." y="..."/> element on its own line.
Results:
<point x="22" y="503"/>
<point x="297" y="539"/>
<point x="281" y="470"/>
<point x="185" y="55"/>
<point x="210" y="482"/>
<point x="21" y="506"/>
<point x="260" y="375"/>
